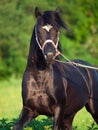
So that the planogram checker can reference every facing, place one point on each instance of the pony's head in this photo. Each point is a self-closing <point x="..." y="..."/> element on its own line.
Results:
<point x="47" y="32"/>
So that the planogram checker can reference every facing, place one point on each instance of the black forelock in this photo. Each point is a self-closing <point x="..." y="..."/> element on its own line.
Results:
<point x="50" y="17"/>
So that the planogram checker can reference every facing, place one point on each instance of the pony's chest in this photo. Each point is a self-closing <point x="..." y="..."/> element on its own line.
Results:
<point x="40" y="100"/>
<point x="39" y="92"/>
<point x="40" y="97"/>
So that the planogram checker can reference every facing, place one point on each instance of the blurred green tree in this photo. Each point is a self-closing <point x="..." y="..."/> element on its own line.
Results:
<point x="16" y="25"/>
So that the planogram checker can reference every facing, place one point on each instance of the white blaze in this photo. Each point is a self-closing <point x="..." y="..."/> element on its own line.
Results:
<point x="47" y="27"/>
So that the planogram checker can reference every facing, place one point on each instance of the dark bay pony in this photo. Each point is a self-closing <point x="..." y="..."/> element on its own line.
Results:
<point x="52" y="88"/>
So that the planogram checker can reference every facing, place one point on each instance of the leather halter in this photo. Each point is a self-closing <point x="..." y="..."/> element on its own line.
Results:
<point x="46" y="41"/>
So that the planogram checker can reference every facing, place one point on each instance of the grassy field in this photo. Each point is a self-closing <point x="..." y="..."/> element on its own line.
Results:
<point x="11" y="104"/>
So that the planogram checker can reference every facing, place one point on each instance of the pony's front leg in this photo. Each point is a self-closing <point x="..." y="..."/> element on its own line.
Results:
<point x="58" y="117"/>
<point x="67" y="122"/>
<point x="25" y="117"/>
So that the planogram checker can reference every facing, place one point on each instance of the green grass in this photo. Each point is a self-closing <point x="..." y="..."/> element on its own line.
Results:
<point x="11" y="104"/>
<point x="10" y="98"/>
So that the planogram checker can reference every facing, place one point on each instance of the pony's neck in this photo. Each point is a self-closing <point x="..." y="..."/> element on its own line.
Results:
<point x="36" y="57"/>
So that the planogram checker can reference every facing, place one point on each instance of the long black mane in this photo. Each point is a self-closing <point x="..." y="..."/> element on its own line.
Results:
<point x="55" y="20"/>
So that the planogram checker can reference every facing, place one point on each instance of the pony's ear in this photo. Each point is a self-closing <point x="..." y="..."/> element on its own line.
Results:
<point x="57" y="10"/>
<point x="37" y="12"/>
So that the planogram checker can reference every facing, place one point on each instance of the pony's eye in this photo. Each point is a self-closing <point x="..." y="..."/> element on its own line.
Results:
<point x="42" y="35"/>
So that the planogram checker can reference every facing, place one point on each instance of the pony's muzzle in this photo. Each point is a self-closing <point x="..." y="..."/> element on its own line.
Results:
<point x="49" y="56"/>
<point x="49" y="51"/>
